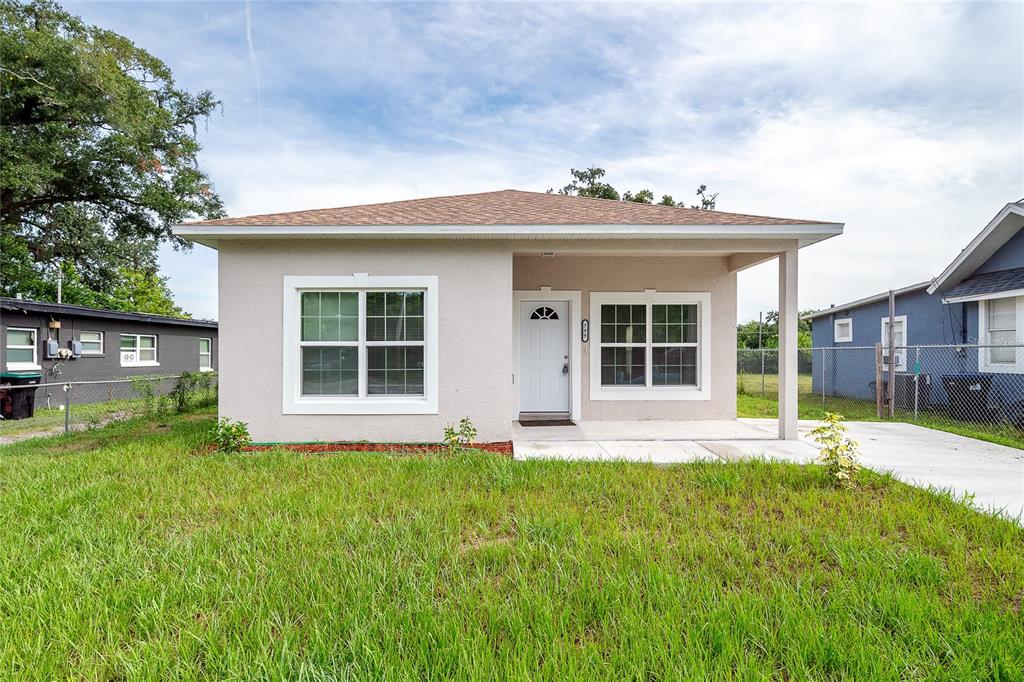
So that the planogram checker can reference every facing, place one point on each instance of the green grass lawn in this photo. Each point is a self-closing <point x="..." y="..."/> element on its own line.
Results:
<point x="750" y="403"/>
<point x="128" y="553"/>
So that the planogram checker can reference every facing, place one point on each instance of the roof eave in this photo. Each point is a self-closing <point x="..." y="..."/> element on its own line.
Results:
<point x="874" y="298"/>
<point x="964" y="264"/>
<point x="805" y="233"/>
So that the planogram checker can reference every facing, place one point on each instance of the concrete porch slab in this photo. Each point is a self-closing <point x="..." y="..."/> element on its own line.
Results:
<point x="635" y="430"/>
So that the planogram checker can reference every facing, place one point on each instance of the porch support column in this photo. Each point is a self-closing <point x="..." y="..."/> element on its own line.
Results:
<point x="788" y="344"/>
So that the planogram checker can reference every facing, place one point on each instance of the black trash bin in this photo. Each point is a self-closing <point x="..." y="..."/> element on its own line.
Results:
<point x="969" y="395"/>
<point x="18" y="403"/>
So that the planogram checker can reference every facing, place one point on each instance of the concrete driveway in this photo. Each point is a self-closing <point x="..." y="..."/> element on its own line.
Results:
<point x="993" y="474"/>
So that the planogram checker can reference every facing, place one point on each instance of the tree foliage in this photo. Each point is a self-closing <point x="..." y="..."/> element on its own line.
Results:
<point x="98" y="159"/>
<point x="590" y="183"/>
<point x="746" y="333"/>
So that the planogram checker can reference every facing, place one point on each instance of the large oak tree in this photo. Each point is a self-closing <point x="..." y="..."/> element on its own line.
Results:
<point x="97" y="160"/>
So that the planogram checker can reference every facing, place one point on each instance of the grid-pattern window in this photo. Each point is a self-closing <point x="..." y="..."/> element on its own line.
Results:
<point x="1002" y="330"/>
<point x="362" y="343"/>
<point x="21" y="348"/>
<point x="673" y="344"/>
<point x="623" y="345"/>
<point x="330" y="343"/>
<point x="138" y="349"/>
<point x="206" y="354"/>
<point x="650" y="344"/>
<point x="92" y="342"/>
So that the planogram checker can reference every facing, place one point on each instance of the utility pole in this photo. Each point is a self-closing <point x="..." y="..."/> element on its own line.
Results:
<point x="60" y="285"/>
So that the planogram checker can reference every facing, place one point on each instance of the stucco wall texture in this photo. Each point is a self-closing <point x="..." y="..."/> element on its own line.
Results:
<point x="634" y="274"/>
<point x="476" y="281"/>
<point x="475" y="335"/>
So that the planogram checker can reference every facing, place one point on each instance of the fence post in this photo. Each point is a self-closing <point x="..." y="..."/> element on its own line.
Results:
<point x="878" y="379"/>
<point x="762" y="372"/>
<point x="822" y="375"/>
<point x="917" y="377"/>
<point x="67" y="408"/>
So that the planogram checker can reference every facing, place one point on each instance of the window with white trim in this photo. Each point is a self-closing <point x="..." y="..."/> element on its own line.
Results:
<point x="92" y="342"/>
<point x="650" y="346"/>
<point x="899" y="340"/>
<point x="843" y="330"/>
<point x="205" y="355"/>
<point x="1001" y="330"/>
<point x="362" y="345"/>
<point x="21" y="348"/>
<point x="138" y="350"/>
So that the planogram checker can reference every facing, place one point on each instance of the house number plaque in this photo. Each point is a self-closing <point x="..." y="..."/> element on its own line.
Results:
<point x="585" y="331"/>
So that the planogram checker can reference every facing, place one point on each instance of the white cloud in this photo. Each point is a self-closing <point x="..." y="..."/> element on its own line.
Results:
<point x="904" y="121"/>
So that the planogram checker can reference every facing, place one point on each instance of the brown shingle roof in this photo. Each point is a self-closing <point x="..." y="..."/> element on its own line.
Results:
<point x="506" y="207"/>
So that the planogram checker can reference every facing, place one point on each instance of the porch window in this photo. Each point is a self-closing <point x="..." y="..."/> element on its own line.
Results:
<point x="652" y="346"/>
<point x="365" y="345"/>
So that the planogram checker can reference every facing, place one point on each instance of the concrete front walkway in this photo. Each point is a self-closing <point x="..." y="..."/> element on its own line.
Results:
<point x="993" y="474"/>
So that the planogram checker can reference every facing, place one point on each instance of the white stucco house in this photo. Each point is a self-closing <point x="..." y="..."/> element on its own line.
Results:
<point x="384" y="322"/>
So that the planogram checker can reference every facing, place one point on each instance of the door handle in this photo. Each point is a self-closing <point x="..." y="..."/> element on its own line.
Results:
<point x="565" y="365"/>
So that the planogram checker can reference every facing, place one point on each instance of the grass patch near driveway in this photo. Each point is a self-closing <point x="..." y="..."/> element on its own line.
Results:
<point x="129" y="554"/>
<point x="751" y="403"/>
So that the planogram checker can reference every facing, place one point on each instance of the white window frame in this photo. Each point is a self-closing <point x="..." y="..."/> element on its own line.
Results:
<point x="20" y="366"/>
<point x="702" y="391"/>
<point x="209" y="367"/>
<point x="102" y="341"/>
<point x="293" y="402"/>
<point x="984" y="362"/>
<point x="138" y="347"/>
<point x="843" y="338"/>
<point x="901" y="357"/>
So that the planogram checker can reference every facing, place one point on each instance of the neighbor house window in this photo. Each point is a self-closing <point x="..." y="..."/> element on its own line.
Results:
<point x="365" y="344"/>
<point x="205" y="355"/>
<point x="138" y="350"/>
<point x="1001" y="330"/>
<point x="21" y="349"/>
<point x="899" y="340"/>
<point x="651" y="346"/>
<point x="844" y="330"/>
<point x="92" y="343"/>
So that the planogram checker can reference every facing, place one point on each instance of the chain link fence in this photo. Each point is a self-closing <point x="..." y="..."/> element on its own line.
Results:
<point x="55" y="408"/>
<point x="972" y="389"/>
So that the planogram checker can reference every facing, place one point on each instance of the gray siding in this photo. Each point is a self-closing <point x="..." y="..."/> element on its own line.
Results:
<point x="177" y="345"/>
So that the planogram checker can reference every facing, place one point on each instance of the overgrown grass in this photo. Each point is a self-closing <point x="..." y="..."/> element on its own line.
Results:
<point x="128" y="553"/>
<point x="751" y="403"/>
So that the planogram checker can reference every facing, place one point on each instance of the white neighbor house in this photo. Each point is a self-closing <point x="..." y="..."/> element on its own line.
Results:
<point x="384" y="322"/>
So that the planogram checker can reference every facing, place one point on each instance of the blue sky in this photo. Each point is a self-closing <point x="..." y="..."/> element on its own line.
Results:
<point x="906" y="122"/>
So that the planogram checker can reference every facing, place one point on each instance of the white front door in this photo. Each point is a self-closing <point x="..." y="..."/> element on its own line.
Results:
<point x="544" y="356"/>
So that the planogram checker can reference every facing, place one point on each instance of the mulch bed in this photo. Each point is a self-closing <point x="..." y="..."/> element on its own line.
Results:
<point x="501" y="447"/>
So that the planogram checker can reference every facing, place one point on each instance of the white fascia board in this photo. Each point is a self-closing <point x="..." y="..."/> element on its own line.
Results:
<point x="1011" y="293"/>
<point x="806" y="233"/>
<point x="964" y="264"/>
<point x="864" y="301"/>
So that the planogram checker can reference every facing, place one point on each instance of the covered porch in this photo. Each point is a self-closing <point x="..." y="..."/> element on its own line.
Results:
<point x="575" y="363"/>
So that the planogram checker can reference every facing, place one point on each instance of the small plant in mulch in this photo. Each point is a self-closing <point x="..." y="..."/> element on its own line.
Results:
<point x="231" y="436"/>
<point x="838" y="451"/>
<point x="457" y="439"/>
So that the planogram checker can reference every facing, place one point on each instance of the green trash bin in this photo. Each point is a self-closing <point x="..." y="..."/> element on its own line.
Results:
<point x="18" y="403"/>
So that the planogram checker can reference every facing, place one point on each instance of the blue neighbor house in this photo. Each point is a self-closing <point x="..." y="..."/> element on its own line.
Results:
<point x="957" y="334"/>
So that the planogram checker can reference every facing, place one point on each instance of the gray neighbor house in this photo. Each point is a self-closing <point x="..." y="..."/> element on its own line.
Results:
<point x="973" y="312"/>
<point x="55" y="343"/>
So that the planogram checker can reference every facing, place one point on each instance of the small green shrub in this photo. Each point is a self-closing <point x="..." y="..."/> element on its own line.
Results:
<point x="838" y="451"/>
<point x="231" y="436"/>
<point x="457" y="439"/>
<point x="184" y="390"/>
<point x="145" y="386"/>
<point x="205" y="388"/>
